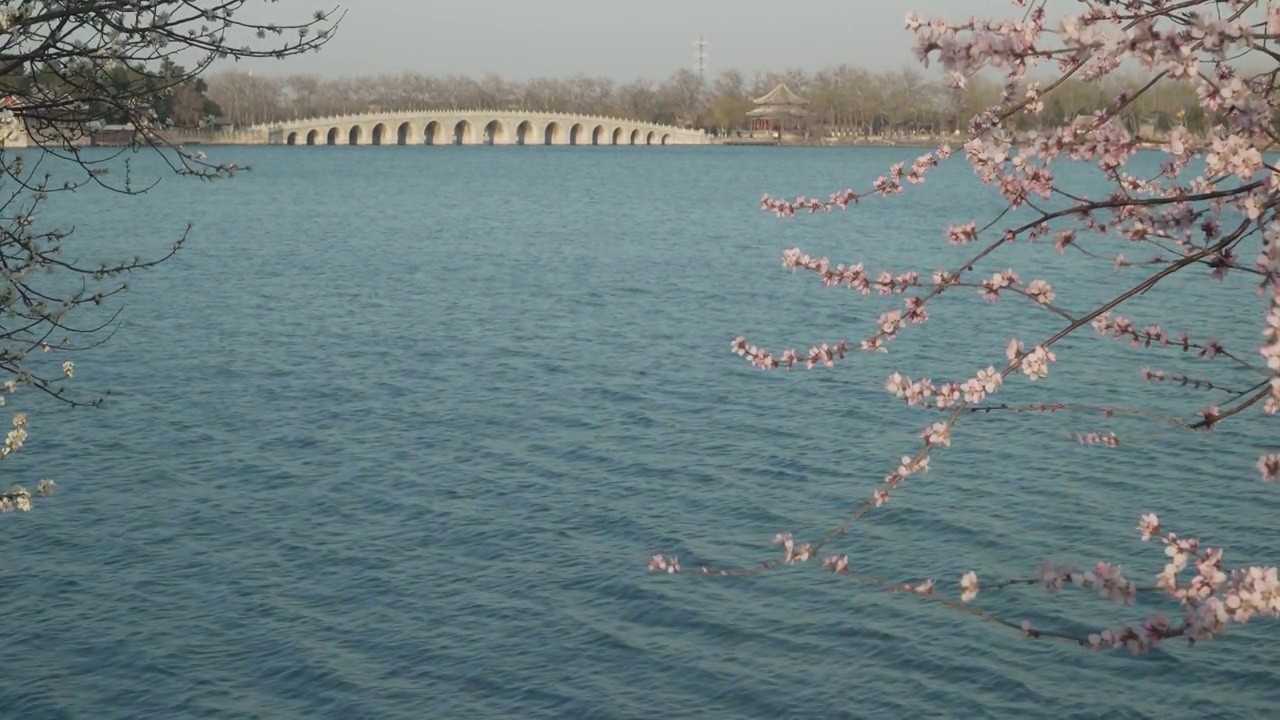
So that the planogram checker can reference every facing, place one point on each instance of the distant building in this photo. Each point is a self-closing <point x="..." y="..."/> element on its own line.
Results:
<point x="217" y="124"/>
<point x="780" y="112"/>
<point x="114" y="135"/>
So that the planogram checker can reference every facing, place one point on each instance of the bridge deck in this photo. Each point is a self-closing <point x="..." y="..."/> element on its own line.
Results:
<point x="477" y="127"/>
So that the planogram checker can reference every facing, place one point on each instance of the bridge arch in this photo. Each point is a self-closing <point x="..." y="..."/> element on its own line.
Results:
<point x="462" y="132"/>
<point x="488" y="127"/>
<point x="495" y="133"/>
<point x="524" y="133"/>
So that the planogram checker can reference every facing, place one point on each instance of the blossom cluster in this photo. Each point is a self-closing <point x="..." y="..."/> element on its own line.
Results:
<point x="1210" y="600"/>
<point x="891" y="322"/>
<point x="1271" y="329"/>
<point x="949" y="394"/>
<point x="1107" y="438"/>
<point x="16" y="437"/>
<point x="19" y="498"/>
<point x="793" y="552"/>
<point x="823" y="354"/>
<point x="1212" y="597"/>
<point x="852" y="276"/>
<point x="1121" y="327"/>
<point x="885" y="185"/>
<point x="1192" y="218"/>
<point x="665" y="563"/>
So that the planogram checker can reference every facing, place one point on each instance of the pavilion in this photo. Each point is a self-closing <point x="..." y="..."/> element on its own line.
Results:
<point x="780" y="112"/>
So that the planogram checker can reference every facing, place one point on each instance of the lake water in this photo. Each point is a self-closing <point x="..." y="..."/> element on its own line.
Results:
<point x="395" y="436"/>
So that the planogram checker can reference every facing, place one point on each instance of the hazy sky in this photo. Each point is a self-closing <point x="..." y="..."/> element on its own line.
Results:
<point x="623" y="39"/>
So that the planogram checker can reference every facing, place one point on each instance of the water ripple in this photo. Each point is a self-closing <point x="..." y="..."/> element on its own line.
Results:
<point x="377" y="455"/>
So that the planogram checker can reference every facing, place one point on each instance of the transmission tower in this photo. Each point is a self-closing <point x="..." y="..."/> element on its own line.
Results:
<point x="701" y="46"/>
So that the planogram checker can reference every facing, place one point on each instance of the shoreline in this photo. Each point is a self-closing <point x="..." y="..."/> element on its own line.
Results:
<point x="913" y="142"/>
<point x="925" y="143"/>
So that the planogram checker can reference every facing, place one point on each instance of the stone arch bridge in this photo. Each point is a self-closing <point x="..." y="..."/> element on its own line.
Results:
<point x="477" y="127"/>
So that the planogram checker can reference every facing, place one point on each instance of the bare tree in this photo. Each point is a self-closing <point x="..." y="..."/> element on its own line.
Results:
<point x="681" y="96"/>
<point x="845" y="100"/>
<point x="66" y="70"/>
<point x="638" y="99"/>
<point x="727" y="101"/>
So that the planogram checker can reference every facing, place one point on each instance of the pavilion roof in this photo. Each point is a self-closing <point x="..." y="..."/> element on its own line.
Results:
<point x="776" y="111"/>
<point x="780" y="95"/>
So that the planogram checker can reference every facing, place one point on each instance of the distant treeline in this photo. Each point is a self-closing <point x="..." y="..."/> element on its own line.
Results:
<point x="166" y="90"/>
<point x="842" y="99"/>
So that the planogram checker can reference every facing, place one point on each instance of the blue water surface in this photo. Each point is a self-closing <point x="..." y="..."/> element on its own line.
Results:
<point x="396" y="433"/>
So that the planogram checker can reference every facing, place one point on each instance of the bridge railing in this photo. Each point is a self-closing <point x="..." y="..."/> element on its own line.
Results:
<point x="368" y="117"/>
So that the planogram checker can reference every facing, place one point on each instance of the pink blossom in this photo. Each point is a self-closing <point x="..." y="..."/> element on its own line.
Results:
<point x="1107" y="438"/>
<point x="989" y="380"/>
<point x="1149" y="524"/>
<point x="665" y="564"/>
<point x="836" y="563"/>
<point x="898" y="385"/>
<point x="948" y="394"/>
<point x="1036" y="364"/>
<point x="937" y="434"/>
<point x="923" y="588"/>
<point x="1183" y="217"/>
<point x="793" y="552"/>
<point x="999" y="281"/>
<point x="1110" y="582"/>
<point x="1269" y="466"/>
<point x="1013" y="350"/>
<point x="1052" y="575"/>
<point x="963" y="234"/>
<point x="1041" y="292"/>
